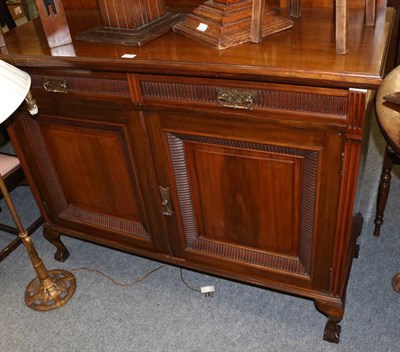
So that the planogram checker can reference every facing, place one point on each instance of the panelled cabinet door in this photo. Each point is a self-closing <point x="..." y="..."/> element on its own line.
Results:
<point x="95" y="175"/>
<point x="253" y="197"/>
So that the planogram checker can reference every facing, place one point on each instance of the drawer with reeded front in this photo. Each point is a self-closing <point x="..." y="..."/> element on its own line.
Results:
<point x="103" y="86"/>
<point x="239" y="95"/>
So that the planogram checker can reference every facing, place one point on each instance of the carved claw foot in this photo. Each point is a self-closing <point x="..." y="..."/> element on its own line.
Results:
<point x="334" y="310"/>
<point x="61" y="255"/>
<point x="332" y="331"/>
<point x="53" y="237"/>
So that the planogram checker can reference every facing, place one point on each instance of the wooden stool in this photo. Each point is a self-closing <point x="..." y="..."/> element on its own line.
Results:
<point x="388" y="117"/>
<point x="13" y="176"/>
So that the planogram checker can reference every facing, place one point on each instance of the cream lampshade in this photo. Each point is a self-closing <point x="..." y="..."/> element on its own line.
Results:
<point x="14" y="87"/>
<point x="49" y="290"/>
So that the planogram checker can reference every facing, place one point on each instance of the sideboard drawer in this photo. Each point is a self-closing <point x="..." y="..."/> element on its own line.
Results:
<point x="203" y="92"/>
<point x="86" y="86"/>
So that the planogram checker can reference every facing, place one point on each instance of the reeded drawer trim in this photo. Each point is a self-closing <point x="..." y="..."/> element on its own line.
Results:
<point x="265" y="98"/>
<point x="86" y="85"/>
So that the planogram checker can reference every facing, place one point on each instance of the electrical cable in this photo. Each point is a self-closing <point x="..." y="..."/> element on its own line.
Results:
<point x="186" y="284"/>
<point x="123" y="284"/>
<point x="135" y="281"/>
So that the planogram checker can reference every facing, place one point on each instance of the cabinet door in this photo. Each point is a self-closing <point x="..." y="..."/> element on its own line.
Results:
<point x="253" y="196"/>
<point x="93" y="170"/>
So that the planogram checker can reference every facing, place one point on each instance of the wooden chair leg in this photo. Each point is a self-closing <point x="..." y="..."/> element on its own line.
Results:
<point x="383" y="191"/>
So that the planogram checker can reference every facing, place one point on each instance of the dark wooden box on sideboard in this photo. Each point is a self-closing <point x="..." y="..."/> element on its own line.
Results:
<point x="242" y="163"/>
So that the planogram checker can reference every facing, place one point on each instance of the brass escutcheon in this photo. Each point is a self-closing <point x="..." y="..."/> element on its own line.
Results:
<point x="166" y="205"/>
<point x="56" y="85"/>
<point x="235" y="99"/>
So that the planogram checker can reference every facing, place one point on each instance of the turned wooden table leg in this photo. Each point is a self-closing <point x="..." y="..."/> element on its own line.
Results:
<point x="53" y="237"/>
<point x="384" y="187"/>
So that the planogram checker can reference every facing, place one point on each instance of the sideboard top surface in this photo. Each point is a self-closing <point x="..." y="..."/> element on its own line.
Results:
<point x="304" y="54"/>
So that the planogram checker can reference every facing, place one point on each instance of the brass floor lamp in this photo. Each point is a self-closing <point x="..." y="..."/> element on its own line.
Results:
<point x="50" y="289"/>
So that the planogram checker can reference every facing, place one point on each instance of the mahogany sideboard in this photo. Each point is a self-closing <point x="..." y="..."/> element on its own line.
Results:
<point x="242" y="163"/>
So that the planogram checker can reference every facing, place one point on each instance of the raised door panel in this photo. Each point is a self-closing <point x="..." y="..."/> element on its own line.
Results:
<point x="90" y="169"/>
<point x="264" y="211"/>
<point x="95" y="177"/>
<point x="244" y="201"/>
<point x="253" y="206"/>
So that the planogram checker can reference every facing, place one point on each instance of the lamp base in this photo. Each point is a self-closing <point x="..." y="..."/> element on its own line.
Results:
<point x="52" y="292"/>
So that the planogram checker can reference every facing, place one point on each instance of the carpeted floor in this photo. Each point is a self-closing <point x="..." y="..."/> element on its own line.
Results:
<point x="160" y="314"/>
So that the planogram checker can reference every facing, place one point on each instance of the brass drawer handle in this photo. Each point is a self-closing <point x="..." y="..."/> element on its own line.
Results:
<point x="235" y="99"/>
<point x="55" y="85"/>
<point x="166" y="205"/>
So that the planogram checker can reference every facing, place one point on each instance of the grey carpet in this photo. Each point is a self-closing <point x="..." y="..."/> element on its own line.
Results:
<point x="161" y="314"/>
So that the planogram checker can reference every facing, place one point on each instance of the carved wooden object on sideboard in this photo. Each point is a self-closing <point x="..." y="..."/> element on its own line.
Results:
<point x="242" y="163"/>
<point x="222" y="24"/>
<point x="131" y="22"/>
<point x="54" y="22"/>
<point x="216" y="23"/>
